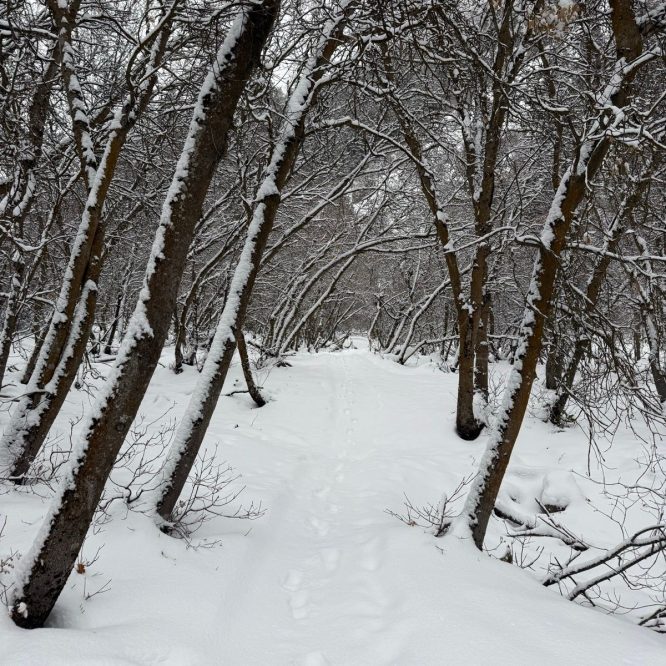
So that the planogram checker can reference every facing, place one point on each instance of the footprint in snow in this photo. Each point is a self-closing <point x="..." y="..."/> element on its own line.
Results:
<point x="319" y="525"/>
<point x="322" y="492"/>
<point x="293" y="580"/>
<point x="299" y="603"/>
<point x="370" y="560"/>
<point x="314" y="659"/>
<point x="331" y="558"/>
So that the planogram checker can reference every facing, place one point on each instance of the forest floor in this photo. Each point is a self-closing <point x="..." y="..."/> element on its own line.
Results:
<point x="326" y="575"/>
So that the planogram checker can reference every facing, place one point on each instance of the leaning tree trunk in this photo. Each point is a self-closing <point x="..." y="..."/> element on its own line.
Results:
<point x="65" y="343"/>
<point x="43" y="571"/>
<point x="17" y="200"/>
<point x="589" y="156"/>
<point x="192" y="429"/>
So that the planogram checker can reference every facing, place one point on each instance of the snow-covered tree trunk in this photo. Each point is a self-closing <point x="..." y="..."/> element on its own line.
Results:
<point x="192" y="428"/>
<point x="17" y="197"/>
<point x="587" y="160"/>
<point x="43" y="571"/>
<point x="594" y="285"/>
<point x="65" y="342"/>
<point x="11" y="311"/>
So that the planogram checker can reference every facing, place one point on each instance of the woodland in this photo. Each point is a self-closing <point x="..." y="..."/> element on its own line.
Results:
<point x="452" y="204"/>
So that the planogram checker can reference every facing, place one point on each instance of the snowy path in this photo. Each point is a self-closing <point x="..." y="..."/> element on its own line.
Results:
<point x="330" y="578"/>
<point x="326" y="577"/>
<point x="322" y="564"/>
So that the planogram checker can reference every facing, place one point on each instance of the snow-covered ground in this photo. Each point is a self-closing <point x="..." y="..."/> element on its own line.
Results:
<point x="327" y="576"/>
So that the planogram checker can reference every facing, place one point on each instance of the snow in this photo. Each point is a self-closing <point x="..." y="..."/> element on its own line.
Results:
<point x="326" y="576"/>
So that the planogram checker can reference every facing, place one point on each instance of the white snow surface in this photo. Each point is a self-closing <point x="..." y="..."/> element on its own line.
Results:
<point x="326" y="576"/>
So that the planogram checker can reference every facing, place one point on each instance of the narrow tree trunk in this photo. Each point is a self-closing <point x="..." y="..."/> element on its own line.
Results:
<point x="252" y="389"/>
<point x="69" y="331"/>
<point x="39" y="335"/>
<point x="636" y="335"/>
<point x="554" y="362"/>
<point x="114" y="326"/>
<point x="192" y="429"/>
<point x="43" y="571"/>
<point x="11" y="312"/>
<point x="594" y="285"/>
<point x="35" y="431"/>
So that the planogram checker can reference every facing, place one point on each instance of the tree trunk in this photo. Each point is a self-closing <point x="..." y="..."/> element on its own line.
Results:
<point x="467" y="425"/>
<point x="482" y="351"/>
<point x="44" y="569"/>
<point x="65" y="343"/>
<point x="114" y="326"/>
<point x="589" y="156"/>
<point x="594" y="284"/>
<point x="252" y="389"/>
<point x="192" y="429"/>
<point x="11" y="312"/>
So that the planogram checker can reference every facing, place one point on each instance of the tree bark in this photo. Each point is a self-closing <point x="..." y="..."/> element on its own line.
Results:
<point x="252" y="388"/>
<point x="65" y="342"/>
<point x="192" y="429"/>
<point x="594" y="285"/>
<point x="11" y="312"/>
<point x="43" y="571"/>
<point x="588" y="158"/>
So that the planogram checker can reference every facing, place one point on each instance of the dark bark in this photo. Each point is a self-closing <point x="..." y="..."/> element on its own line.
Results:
<point x="594" y="285"/>
<point x="252" y="388"/>
<point x="200" y="411"/>
<point x="70" y="328"/>
<point x="482" y="350"/>
<point x="46" y="568"/>
<point x="571" y="191"/>
<point x="11" y="313"/>
<point x="114" y="326"/>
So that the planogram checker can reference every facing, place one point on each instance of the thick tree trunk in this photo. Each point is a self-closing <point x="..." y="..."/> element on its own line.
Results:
<point x="482" y="350"/>
<point x="45" y="568"/>
<point x="467" y="425"/>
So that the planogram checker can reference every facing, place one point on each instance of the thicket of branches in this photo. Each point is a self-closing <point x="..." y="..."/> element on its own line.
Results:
<point x="473" y="181"/>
